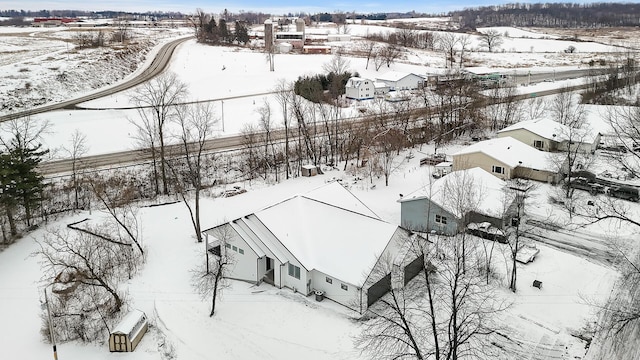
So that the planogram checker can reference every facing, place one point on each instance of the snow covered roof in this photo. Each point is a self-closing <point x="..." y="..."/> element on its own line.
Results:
<point x="130" y="324"/>
<point x="356" y="81"/>
<point x="380" y="85"/>
<point x="337" y="195"/>
<point x="466" y="190"/>
<point x="394" y="76"/>
<point x="548" y="129"/>
<point x="511" y="152"/>
<point x="328" y="238"/>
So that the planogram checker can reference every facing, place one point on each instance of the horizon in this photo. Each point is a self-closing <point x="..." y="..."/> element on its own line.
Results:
<point x="275" y="8"/>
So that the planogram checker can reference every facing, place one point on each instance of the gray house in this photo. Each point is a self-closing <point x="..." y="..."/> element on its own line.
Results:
<point x="448" y="204"/>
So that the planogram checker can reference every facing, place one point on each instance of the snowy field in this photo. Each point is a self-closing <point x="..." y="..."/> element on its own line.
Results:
<point x="263" y="321"/>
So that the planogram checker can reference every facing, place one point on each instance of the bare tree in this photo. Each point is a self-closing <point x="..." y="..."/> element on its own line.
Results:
<point x="464" y="41"/>
<point x="448" y="313"/>
<point x="85" y="272"/>
<point x="283" y="92"/>
<point x="196" y="124"/>
<point x="491" y="39"/>
<point x="520" y="190"/>
<point x="338" y="64"/>
<point x="116" y="195"/>
<point x="368" y="47"/>
<point x="212" y="280"/>
<point x="448" y="42"/>
<point x="76" y="149"/>
<point x="156" y="101"/>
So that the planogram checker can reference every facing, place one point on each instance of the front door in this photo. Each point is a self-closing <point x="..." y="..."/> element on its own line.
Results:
<point x="120" y="342"/>
<point x="269" y="263"/>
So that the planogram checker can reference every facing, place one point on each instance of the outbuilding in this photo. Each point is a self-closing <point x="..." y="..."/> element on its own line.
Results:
<point x="128" y="333"/>
<point x="309" y="170"/>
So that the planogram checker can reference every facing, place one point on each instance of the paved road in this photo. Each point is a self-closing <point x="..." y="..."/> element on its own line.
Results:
<point x="158" y="64"/>
<point x="576" y="242"/>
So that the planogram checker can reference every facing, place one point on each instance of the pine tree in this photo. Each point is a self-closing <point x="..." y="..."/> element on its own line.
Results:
<point x="242" y="34"/>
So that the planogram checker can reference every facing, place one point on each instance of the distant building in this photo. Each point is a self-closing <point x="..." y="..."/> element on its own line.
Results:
<point x="268" y="35"/>
<point x="401" y="81"/>
<point x="316" y="49"/>
<point x="359" y="89"/>
<point x="549" y="135"/>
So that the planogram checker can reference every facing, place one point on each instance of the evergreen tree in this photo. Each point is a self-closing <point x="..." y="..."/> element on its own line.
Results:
<point x="28" y="182"/>
<point x="223" y="32"/>
<point x="242" y="33"/>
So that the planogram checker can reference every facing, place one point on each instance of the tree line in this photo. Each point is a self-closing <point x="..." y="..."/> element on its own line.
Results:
<point x="565" y="15"/>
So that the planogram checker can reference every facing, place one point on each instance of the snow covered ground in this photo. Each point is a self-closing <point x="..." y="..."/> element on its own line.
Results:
<point x="263" y="321"/>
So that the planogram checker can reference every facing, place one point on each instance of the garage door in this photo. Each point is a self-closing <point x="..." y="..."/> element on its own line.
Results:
<point x="413" y="269"/>
<point x="377" y="290"/>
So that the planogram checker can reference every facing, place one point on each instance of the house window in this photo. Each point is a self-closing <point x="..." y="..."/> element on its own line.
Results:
<point x="329" y="280"/>
<point x="538" y="144"/>
<point x="497" y="169"/>
<point x="344" y="287"/>
<point x="235" y="248"/>
<point x="441" y="219"/>
<point x="294" y="271"/>
<point x="241" y="251"/>
<point x="228" y="246"/>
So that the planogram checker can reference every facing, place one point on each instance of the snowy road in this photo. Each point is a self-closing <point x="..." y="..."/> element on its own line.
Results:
<point x="586" y="245"/>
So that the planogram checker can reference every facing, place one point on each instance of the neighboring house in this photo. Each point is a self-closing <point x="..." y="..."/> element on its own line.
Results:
<point x="325" y="240"/>
<point x="448" y="204"/>
<point x="359" y="89"/>
<point x="401" y="81"/>
<point x="549" y="135"/>
<point x="508" y="158"/>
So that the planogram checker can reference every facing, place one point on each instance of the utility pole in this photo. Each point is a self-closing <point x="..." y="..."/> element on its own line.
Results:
<point x="222" y="104"/>
<point x="51" y="332"/>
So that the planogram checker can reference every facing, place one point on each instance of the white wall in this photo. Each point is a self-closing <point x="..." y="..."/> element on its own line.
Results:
<point x="334" y="291"/>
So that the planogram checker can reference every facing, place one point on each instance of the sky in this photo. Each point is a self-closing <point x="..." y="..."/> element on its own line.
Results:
<point x="273" y="7"/>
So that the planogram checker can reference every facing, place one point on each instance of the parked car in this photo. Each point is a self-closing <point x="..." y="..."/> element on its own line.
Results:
<point x="584" y="184"/>
<point x="487" y="231"/>
<point x="624" y="192"/>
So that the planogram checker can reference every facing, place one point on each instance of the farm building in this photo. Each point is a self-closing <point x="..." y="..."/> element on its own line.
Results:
<point x="508" y="158"/>
<point x="359" y="89"/>
<point x="316" y="49"/>
<point x="401" y="81"/>
<point x="334" y="245"/>
<point x="549" y="135"/>
<point x="448" y="204"/>
<point x="128" y="333"/>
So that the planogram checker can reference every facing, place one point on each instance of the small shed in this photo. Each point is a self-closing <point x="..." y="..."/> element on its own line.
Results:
<point x="128" y="333"/>
<point x="309" y="170"/>
<point x="442" y="169"/>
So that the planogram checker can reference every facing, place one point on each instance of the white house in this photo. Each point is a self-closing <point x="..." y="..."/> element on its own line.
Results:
<point x="401" y="81"/>
<point x="359" y="89"/>
<point x="325" y="240"/>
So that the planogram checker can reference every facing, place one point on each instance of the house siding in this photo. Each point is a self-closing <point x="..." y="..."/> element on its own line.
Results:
<point x="349" y="298"/>
<point x="529" y="138"/>
<point x="478" y="159"/>
<point x="413" y="216"/>
<point x="244" y="265"/>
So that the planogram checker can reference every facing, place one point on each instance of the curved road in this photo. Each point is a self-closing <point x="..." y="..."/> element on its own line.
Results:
<point x="158" y="64"/>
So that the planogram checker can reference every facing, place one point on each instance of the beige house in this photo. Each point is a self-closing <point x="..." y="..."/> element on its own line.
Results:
<point x="508" y="158"/>
<point x="549" y="135"/>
